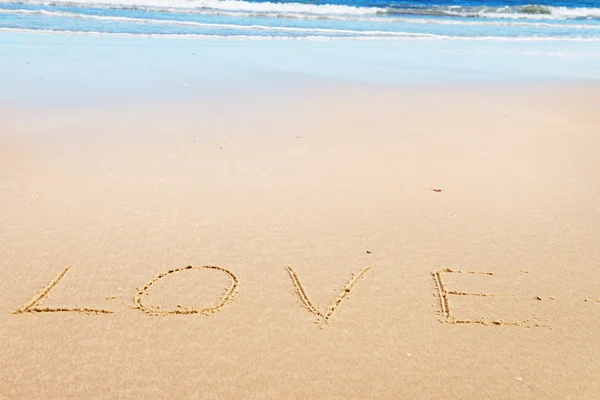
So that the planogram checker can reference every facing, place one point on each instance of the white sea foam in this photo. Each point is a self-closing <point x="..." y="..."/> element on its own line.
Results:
<point x="516" y="12"/>
<point x="413" y="21"/>
<point x="535" y="12"/>
<point x="207" y="36"/>
<point x="576" y="12"/>
<point x="225" y="5"/>
<point x="211" y="25"/>
<point x="554" y="13"/>
<point x="406" y="36"/>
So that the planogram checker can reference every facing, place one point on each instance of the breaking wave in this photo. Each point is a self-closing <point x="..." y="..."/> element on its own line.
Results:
<point x="531" y="11"/>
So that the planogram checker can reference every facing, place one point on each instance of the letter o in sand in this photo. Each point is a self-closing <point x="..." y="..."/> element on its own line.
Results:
<point x="227" y="296"/>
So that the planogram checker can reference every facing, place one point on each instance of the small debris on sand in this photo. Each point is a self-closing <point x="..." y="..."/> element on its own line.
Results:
<point x="436" y="190"/>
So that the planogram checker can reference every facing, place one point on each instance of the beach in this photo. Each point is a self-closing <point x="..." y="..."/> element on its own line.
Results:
<point x="329" y="199"/>
<point x="476" y="207"/>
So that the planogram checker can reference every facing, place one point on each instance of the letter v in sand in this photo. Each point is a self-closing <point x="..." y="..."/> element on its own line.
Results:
<point x="335" y="303"/>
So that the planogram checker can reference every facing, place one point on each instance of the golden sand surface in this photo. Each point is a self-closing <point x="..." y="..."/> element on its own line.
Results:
<point x="356" y="243"/>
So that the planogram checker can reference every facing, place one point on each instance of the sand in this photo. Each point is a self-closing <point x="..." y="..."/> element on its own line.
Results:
<point x="344" y="243"/>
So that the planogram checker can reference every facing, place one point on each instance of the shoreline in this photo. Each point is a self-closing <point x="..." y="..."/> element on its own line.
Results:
<point x="393" y="36"/>
<point x="98" y="71"/>
<point x="308" y="95"/>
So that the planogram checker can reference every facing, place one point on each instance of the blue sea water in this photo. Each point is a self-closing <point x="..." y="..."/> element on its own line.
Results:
<point x="425" y="19"/>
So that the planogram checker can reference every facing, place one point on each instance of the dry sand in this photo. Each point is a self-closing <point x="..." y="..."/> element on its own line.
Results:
<point x="328" y="183"/>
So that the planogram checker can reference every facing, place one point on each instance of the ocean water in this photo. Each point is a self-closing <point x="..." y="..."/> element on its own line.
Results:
<point x="575" y="20"/>
<point x="73" y="52"/>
